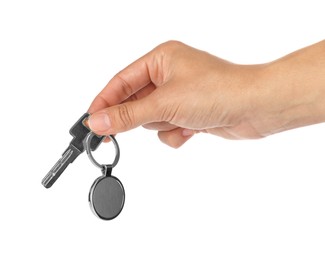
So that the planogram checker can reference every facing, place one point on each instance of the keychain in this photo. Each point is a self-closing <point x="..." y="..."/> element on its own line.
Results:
<point x="106" y="195"/>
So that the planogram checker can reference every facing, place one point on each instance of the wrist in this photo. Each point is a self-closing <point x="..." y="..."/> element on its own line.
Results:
<point x="290" y="93"/>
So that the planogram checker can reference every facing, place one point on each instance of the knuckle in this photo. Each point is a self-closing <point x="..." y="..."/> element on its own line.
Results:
<point x="125" y="86"/>
<point x="170" y="140"/>
<point x="163" y="60"/>
<point x="169" y="48"/>
<point x="171" y="45"/>
<point x="126" y="116"/>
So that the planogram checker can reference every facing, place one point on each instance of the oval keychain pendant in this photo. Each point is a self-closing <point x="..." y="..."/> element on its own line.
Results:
<point x="107" y="194"/>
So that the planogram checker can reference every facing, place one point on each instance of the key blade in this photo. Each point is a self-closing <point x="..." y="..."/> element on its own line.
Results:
<point x="68" y="157"/>
<point x="79" y="132"/>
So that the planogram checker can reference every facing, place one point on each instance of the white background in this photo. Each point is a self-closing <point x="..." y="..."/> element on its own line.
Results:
<point x="210" y="199"/>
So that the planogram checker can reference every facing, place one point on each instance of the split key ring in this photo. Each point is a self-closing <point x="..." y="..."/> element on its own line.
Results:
<point x="87" y="145"/>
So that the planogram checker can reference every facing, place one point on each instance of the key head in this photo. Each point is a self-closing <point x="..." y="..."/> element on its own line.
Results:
<point x="79" y="131"/>
<point x="106" y="197"/>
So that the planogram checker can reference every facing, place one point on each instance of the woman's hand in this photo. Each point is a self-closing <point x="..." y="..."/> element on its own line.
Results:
<point x="179" y="91"/>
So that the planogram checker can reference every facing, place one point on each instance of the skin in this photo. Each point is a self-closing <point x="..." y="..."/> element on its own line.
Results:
<point x="179" y="91"/>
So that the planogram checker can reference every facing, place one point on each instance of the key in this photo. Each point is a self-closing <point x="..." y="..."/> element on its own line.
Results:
<point x="79" y="131"/>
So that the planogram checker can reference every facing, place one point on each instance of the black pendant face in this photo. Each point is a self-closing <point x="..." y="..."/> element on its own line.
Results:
<point x="106" y="197"/>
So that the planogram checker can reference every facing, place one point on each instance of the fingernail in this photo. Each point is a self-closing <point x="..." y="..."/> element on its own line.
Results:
<point x="188" y="132"/>
<point x="99" y="122"/>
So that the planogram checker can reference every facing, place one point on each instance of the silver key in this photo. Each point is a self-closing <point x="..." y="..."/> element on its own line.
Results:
<point x="79" y="132"/>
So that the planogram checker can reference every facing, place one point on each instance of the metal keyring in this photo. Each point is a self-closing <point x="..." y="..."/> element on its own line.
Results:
<point x="87" y="142"/>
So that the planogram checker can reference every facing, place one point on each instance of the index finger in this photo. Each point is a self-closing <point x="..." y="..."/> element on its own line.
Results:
<point x="127" y="82"/>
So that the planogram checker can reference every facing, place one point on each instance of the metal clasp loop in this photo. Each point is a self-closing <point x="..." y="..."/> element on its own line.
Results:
<point x="103" y="167"/>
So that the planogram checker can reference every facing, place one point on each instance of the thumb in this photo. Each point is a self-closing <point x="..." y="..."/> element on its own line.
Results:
<point x="122" y="117"/>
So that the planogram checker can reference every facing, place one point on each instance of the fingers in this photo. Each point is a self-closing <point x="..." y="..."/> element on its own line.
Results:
<point x="122" y="86"/>
<point x="160" y="126"/>
<point x="122" y="117"/>
<point x="175" y="138"/>
<point x="144" y="72"/>
<point x="147" y="90"/>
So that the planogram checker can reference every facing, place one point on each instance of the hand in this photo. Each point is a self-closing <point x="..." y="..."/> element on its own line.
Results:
<point x="180" y="91"/>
